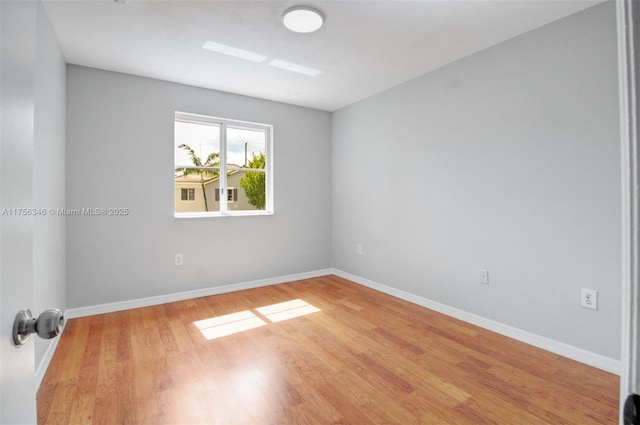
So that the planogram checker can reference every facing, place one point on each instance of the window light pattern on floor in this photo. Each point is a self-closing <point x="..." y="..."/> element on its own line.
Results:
<point x="287" y="310"/>
<point x="229" y="324"/>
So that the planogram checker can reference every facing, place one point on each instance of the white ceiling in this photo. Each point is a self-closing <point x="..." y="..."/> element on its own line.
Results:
<point x="364" y="47"/>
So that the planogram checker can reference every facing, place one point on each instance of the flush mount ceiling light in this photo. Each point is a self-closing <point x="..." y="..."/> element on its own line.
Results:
<point x="304" y="19"/>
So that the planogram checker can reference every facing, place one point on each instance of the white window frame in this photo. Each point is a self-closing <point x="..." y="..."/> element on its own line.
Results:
<point x="224" y="123"/>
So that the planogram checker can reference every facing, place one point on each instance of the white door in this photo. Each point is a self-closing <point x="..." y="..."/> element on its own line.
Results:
<point x="629" y="66"/>
<point x="17" y="58"/>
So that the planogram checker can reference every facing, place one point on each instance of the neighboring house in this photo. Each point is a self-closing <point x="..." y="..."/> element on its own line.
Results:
<point x="188" y="193"/>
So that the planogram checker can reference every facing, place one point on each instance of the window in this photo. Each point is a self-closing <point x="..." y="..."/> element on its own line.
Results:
<point x="222" y="167"/>
<point x="187" y="194"/>
<point x="232" y="194"/>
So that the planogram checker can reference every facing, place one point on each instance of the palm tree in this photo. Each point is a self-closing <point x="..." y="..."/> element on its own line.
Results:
<point x="211" y="161"/>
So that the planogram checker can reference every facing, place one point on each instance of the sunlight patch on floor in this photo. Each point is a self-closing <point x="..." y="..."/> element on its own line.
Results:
<point x="229" y="324"/>
<point x="287" y="310"/>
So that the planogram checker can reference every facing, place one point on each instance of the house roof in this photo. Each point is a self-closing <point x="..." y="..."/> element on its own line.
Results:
<point x="195" y="178"/>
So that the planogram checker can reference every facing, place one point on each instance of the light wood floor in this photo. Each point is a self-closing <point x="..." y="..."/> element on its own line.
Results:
<point x="365" y="357"/>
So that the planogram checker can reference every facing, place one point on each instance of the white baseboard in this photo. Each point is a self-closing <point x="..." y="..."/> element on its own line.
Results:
<point x="583" y="356"/>
<point x="592" y="359"/>
<point x="72" y="313"/>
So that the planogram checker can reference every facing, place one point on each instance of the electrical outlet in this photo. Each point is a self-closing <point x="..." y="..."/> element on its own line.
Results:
<point x="359" y="249"/>
<point x="179" y="260"/>
<point x="484" y="276"/>
<point x="589" y="299"/>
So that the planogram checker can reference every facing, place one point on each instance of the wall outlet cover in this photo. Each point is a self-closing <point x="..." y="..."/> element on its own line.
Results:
<point x="484" y="276"/>
<point x="589" y="299"/>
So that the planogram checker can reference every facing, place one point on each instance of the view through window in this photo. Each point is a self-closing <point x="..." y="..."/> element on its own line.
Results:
<point x="221" y="167"/>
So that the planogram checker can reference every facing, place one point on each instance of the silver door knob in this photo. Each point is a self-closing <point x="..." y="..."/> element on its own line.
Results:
<point x="48" y="325"/>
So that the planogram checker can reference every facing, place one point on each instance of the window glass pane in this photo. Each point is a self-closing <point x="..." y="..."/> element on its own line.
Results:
<point x="250" y="190"/>
<point x="243" y="144"/>
<point x="196" y="145"/>
<point x="246" y="148"/>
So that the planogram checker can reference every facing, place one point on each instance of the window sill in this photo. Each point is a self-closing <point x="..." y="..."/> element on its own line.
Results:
<point x="219" y="214"/>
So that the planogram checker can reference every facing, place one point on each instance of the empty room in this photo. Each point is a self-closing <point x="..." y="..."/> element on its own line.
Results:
<point x="281" y="212"/>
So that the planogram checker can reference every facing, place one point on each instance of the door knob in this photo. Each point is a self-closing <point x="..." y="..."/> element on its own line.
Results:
<point x="48" y="325"/>
<point x="631" y="410"/>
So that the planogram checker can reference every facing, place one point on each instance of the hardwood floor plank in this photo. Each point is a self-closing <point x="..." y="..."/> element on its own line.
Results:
<point x="363" y="358"/>
<point x="544" y="394"/>
<point x="82" y="409"/>
<point x="147" y="387"/>
<point x="315" y="409"/>
<point x="369" y="399"/>
<point x="427" y="383"/>
<point x="73" y="358"/>
<point x="342" y="402"/>
<point x="62" y="399"/>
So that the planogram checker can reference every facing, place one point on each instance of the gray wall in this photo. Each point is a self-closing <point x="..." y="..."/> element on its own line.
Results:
<point x="49" y="248"/>
<point x="120" y="154"/>
<point x="507" y="160"/>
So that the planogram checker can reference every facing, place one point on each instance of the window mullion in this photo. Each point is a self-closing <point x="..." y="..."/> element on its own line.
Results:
<point x="268" y="170"/>
<point x="223" y="169"/>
